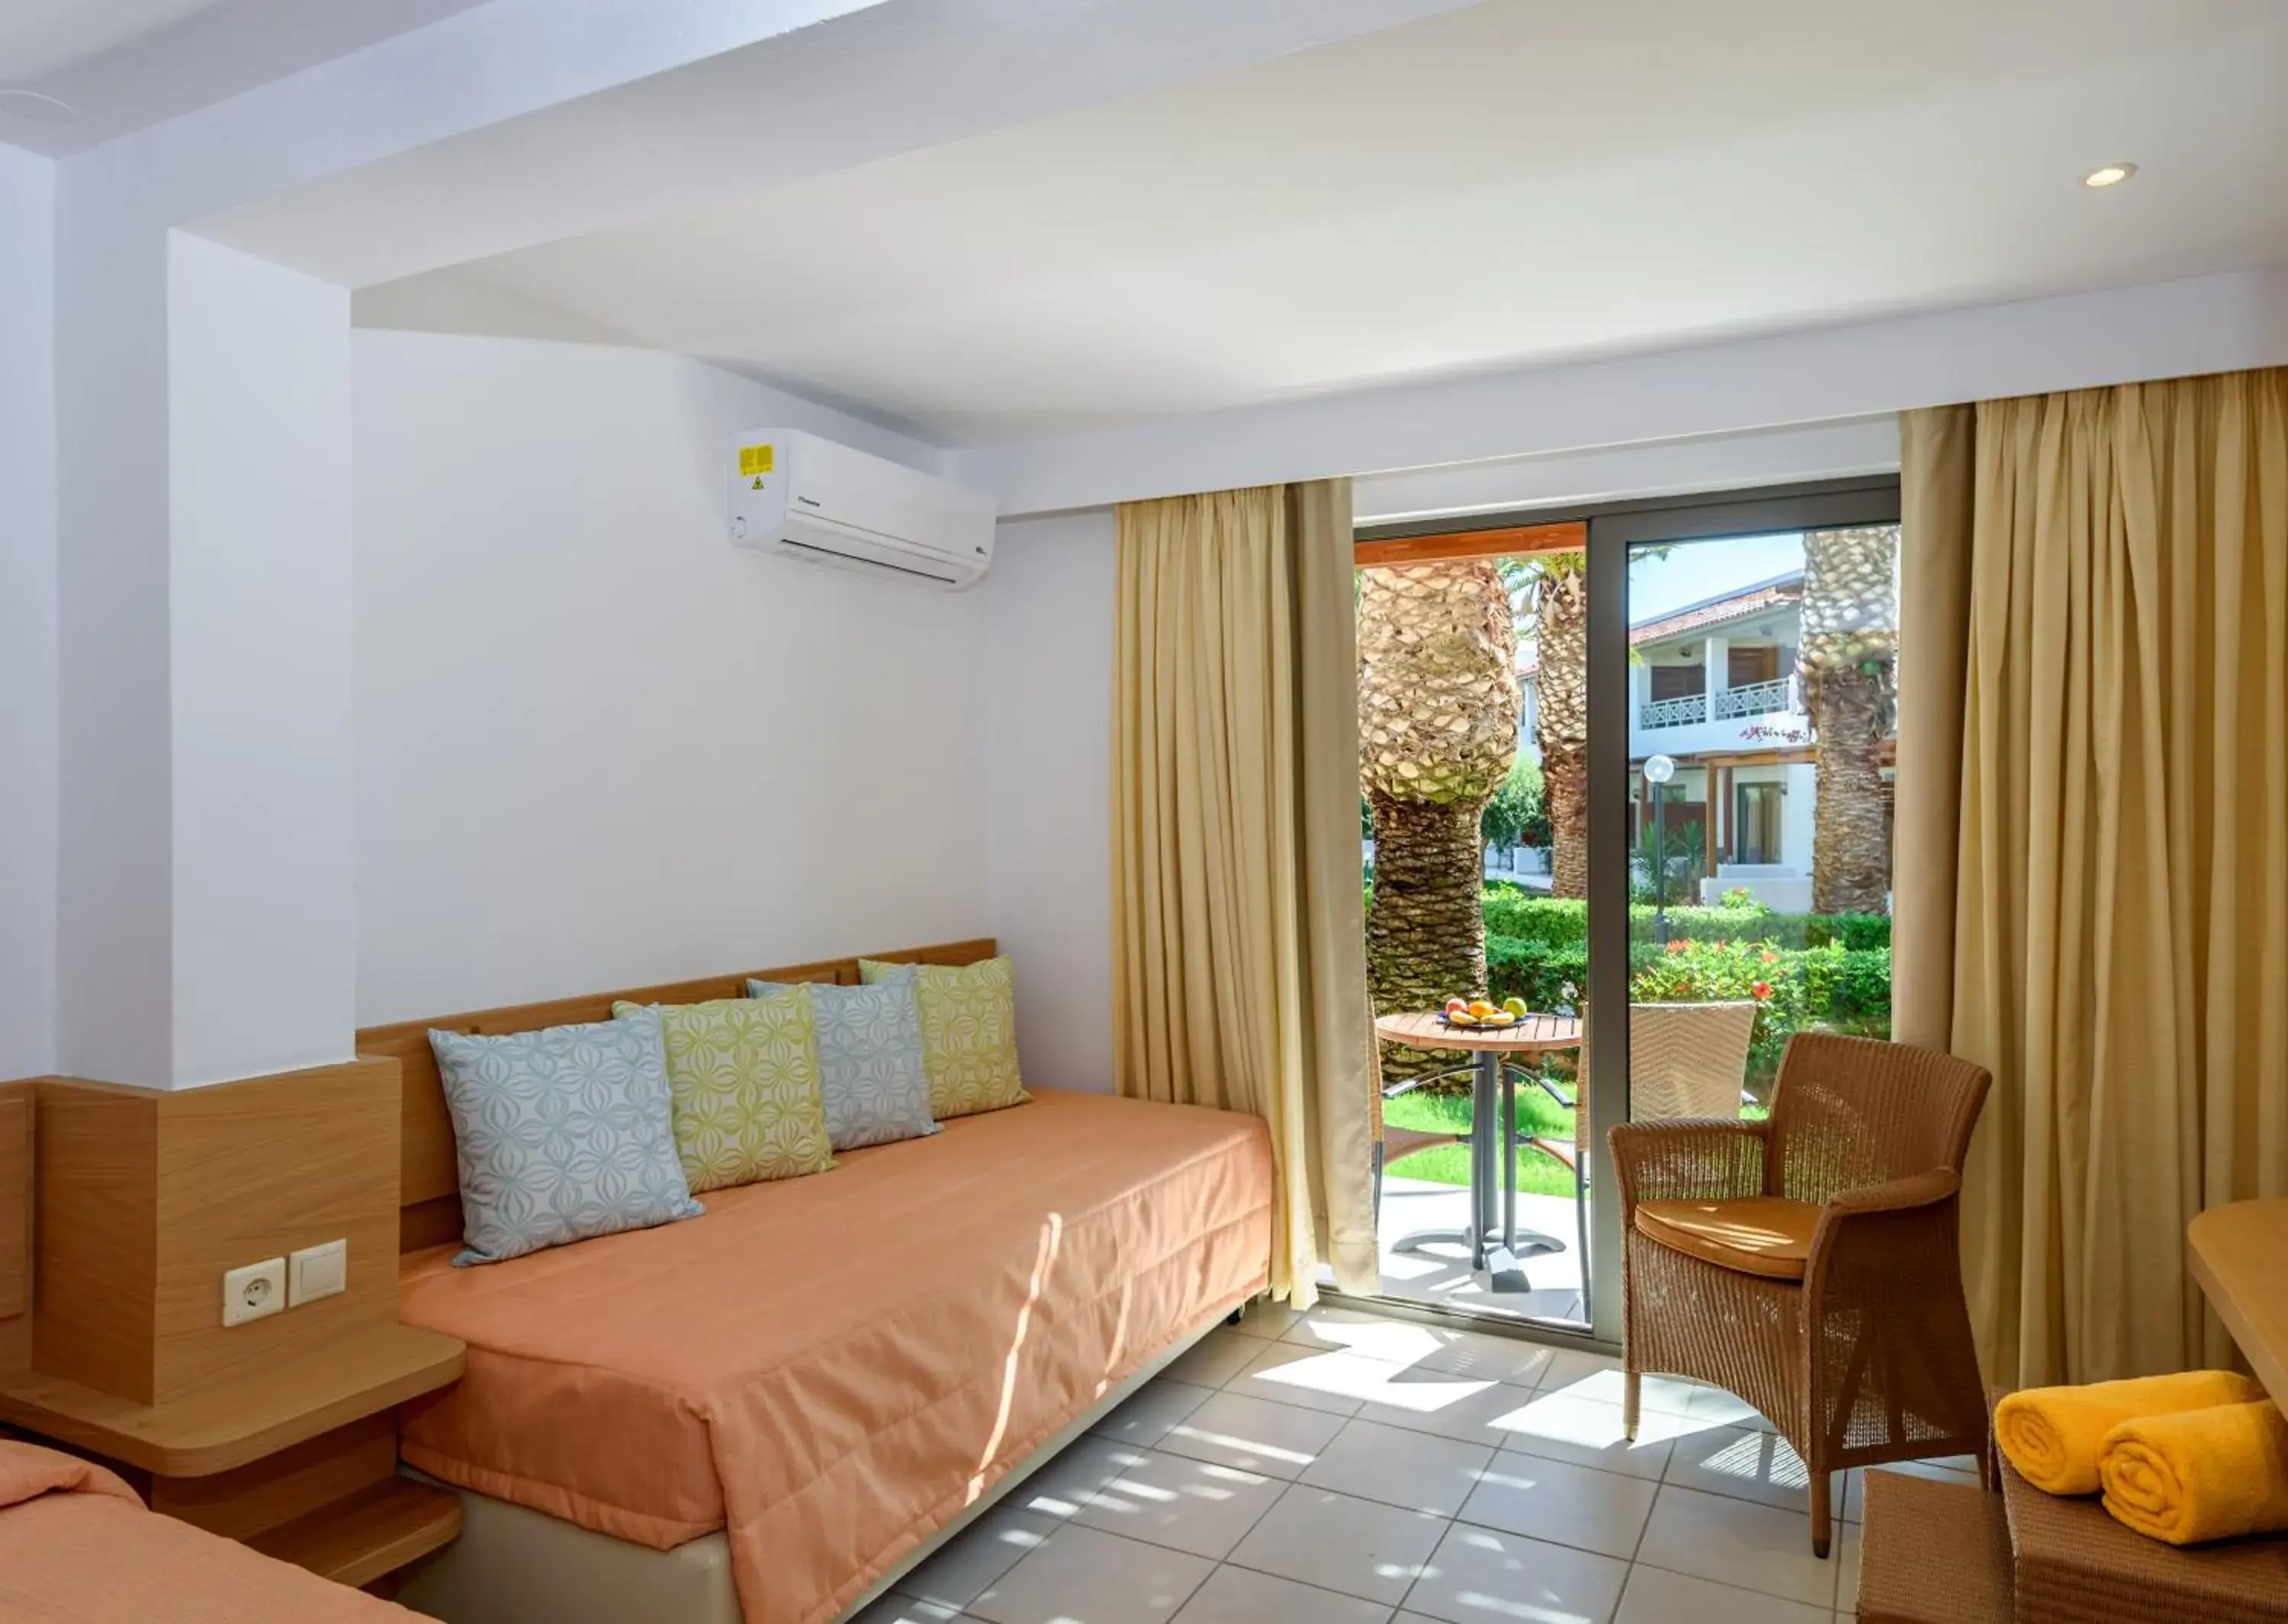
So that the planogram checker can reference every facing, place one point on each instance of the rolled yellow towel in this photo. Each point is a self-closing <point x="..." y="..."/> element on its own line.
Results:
<point x="2199" y="1474"/>
<point x="2053" y="1434"/>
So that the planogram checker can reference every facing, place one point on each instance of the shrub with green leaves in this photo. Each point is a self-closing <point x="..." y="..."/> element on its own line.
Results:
<point x="1515" y="816"/>
<point x="1525" y="917"/>
<point x="1514" y="912"/>
<point x="1828" y="972"/>
<point x="1539" y="973"/>
<point x="1805" y="970"/>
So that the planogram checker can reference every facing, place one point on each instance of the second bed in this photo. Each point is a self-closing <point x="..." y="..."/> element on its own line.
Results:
<point x="831" y="1370"/>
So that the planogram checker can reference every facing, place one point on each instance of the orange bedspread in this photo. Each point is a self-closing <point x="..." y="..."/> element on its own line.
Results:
<point x="77" y="1547"/>
<point x="831" y="1367"/>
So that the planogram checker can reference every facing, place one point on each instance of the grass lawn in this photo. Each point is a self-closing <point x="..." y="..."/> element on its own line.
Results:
<point x="1537" y="1114"/>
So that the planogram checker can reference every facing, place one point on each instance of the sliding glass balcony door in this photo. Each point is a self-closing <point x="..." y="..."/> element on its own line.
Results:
<point x="1632" y="769"/>
<point x="1474" y="728"/>
<point x="1742" y="751"/>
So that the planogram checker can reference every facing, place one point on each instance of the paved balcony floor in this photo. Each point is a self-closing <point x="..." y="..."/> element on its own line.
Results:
<point x="1439" y="1273"/>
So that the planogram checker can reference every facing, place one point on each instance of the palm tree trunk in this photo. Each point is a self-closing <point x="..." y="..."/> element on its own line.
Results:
<point x="1565" y="778"/>
<point x="1561" y="727"/>
<point x="1849" y="871"/>
<point x="1850" y="642"/>
<point x="1425" y="933"/>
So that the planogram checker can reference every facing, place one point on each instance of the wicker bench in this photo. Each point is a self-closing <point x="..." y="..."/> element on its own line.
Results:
<point x="2076" y="1565"/>
<point x="1949" y="1553"/>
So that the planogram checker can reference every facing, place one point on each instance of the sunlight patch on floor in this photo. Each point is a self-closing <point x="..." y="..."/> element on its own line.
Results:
<point x="1346" y="1375"/>
<point x="1561" y="1417"/>
<point x="1760" y="1457"/>
<point x="1243" y="1445"/>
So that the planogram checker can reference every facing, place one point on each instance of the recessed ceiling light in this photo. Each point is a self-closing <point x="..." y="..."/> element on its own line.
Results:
<point x="35" y="109"/>
<point x="2110" y="175"/>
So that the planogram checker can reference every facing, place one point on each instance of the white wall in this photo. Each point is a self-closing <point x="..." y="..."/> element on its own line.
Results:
<point x="1799" y="813"/>
<point x="27" y="614"/>
<point x="599" y="746"/>
<point x="443" y="142"/>
<point x="258" y="650"/>
<point x="170" y="906"/>
<point x="1048" y="701"/>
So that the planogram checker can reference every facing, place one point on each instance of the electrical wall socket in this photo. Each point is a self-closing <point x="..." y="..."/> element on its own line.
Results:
<point x="322" y="1271"/>
<point x="254" y="1292"/>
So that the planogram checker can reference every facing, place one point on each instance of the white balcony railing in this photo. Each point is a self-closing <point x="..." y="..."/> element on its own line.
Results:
<point x="1755" y="699"/>
<point x="1682" y="711"/>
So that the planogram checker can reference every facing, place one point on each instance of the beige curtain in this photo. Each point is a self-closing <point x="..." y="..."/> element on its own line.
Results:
<point x="2120" y="911"/>
<point x="1937" y="455"/>
<point x="1238" y="938"/>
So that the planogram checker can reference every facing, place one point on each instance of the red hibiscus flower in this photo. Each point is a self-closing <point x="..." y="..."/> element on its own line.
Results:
<point x="1762" y="990"/>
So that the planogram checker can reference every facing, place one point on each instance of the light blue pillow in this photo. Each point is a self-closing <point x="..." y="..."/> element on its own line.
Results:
<point x="869" y="1063"/>
<point x="562" y="1134"/>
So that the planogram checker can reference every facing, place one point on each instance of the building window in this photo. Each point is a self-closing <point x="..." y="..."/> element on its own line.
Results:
<point x="1758" y="837"/>
<point x="1744" y="667"/>
<point x="1679" y="681"/>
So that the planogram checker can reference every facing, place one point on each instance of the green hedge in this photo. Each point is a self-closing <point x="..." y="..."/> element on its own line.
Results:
<point x="1524" y="917"/>
<point x="1828" y="971"/>
<point x="1535" y="971"/>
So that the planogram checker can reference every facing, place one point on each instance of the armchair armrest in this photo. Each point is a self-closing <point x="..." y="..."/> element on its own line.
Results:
<point x="1896" y="1196"/>
<point x="1884" y="1238"/>
<point x="1706" y="1159"/>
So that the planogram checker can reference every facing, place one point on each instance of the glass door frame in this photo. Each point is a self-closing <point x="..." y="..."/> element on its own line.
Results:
<point x="1613" y="530"/>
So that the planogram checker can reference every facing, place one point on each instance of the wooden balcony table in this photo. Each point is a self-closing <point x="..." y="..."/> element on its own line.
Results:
<point x="1492" y="1240"/>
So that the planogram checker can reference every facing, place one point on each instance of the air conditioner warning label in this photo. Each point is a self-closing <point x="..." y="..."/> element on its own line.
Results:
<point x="754" y="460"/>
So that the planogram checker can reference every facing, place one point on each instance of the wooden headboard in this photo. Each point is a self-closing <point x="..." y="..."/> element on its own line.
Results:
<point x="429" y="1192"/>
<point x="17" y="1101"/>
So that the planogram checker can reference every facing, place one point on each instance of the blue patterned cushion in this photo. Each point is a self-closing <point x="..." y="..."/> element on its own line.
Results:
<point x="562" y="1134"/>
<point x="869" y="1063"/>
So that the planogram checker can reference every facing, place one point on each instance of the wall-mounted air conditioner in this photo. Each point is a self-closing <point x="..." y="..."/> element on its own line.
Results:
<point x="794" y="493"/>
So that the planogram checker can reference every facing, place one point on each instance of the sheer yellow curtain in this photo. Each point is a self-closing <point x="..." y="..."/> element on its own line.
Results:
<point x="2120" y="929"/>
<point x="1238" y="935"/>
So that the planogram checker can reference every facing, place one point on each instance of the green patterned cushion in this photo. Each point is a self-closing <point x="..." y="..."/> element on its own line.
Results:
<point x="969" y="1032"/>
<point x="743" y="1073"/>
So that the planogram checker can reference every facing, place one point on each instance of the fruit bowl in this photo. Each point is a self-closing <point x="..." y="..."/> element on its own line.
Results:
<point x="1481" y="1017"/>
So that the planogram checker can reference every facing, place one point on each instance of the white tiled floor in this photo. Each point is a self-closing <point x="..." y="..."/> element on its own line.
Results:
<point x="1346" y="1468"/>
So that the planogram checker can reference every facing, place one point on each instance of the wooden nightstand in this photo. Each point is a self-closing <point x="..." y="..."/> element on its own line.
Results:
<point x="299" y="1463"/>
<point x="121" y="1211"/>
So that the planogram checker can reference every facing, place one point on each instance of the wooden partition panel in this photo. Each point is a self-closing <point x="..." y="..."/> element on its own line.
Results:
<point x="254" y="1169"/>
<point x="97" y="1191"/>
<point x="146" y="1197"/>
<point x="429" y="1180"/>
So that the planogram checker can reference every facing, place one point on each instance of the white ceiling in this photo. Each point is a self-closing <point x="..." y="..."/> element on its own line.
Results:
<point x="1517" y="182"/>
<point x="39" y="36"/>
<point x="122" y="64"/>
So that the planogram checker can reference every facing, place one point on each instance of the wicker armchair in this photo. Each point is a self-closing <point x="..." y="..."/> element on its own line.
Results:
<point x="1809" y="1264"/>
